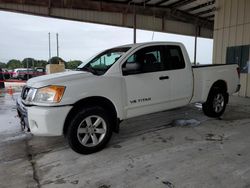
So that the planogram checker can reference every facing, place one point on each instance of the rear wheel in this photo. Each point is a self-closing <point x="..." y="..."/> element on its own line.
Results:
<point x="89" y="131"/>
<point x="216" y="103"/>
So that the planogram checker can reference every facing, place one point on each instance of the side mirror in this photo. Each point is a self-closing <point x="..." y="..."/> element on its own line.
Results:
<point x="131" y="68"/>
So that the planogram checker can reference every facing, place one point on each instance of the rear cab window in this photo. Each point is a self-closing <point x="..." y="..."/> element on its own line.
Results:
<point x="174" y="57"/>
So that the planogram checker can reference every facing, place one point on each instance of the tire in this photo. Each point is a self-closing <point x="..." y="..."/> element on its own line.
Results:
<point x="84" y="136"/>
<point x="216" y="103"/>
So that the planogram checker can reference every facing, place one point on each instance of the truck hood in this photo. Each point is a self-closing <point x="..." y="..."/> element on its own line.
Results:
<point x="57" y="78"/>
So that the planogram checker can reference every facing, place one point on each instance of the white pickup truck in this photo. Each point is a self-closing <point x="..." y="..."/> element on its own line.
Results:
<point x="87" y="105"/>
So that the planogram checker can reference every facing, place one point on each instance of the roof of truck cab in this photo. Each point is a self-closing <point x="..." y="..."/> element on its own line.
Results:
<point x="149" y="43"/>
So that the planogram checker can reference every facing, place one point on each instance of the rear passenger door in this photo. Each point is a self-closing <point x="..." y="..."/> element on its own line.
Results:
<point x="180" y="76"/>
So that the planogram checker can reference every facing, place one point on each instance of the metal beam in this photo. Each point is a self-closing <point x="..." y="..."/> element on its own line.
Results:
<point x="144" y="2"/>
<point x="158" y="11"/>
<point x="200" y="6"/>
<point x="209" y="17"/>
<point x="122" y="19"/>
<point x="120" y="7"/>
<point x="180" y="3"/>
<point x="160" y="2"/>
<point x="115" y="14"/>
<point x="205" y="12"/>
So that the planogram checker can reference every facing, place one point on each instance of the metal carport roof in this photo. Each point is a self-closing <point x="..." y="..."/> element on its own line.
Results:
<point x="188" y="17"/>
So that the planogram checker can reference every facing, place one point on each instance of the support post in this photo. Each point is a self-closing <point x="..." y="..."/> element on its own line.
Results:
<point x="195" y="45"/>
<point x="134" y="27"/>
<point x="57" y="45"/>
<point x="27" y="64"/>
<point x="49" y="49"/>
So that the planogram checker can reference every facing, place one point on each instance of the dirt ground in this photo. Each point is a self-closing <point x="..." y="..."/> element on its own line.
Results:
<point x="177" y="148"/>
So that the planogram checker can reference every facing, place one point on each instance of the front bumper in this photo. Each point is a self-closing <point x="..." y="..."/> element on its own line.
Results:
<point x="43" y="121"/>
<point x="22" y="113"/>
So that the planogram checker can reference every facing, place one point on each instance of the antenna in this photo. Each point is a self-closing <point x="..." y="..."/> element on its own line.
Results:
<point x="57" y="45"/>
<point x="49" y="48"/>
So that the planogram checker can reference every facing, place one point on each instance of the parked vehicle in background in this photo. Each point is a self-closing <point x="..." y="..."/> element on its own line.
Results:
<point x="120" y="83"/>
<point x="37" y="71"/>
<point x="6" y="74"/>
<point x="66" y="70"/>
<point x="2" y="85"/>
<point x="25" y="74"/>
<point x="17" y="72"/>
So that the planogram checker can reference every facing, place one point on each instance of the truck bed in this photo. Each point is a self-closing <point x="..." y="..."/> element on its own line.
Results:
<point x="206" y="75"/>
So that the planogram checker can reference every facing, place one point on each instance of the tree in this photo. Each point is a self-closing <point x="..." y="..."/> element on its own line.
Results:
<point x="41" y="63"/>
<point x="14" y="63"/>
<point x="3" y="65"/>
<point x="56" y="60"/>
<point x="72" y="64"/>
<point x="32" y="63"/>
<point x="28" y="62"/>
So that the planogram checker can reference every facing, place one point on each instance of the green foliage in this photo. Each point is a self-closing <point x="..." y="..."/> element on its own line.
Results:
<point x="3" y="65"/>
<point x="72" y="64"/>
<point x="56" y="60"/>
<point x="41" y="63"/>
<point x="31" y="62"/>
<point x="14" y="63"/>
<point x="28" y="62"/>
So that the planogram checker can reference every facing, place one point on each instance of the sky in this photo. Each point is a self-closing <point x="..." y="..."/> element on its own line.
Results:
<point x="24" y="36"/>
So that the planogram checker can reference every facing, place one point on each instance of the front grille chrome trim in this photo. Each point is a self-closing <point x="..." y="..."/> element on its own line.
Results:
<point x="25" y="92"/>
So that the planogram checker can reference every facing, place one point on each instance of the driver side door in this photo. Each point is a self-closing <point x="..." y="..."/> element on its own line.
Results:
<point x="148" y="89"/>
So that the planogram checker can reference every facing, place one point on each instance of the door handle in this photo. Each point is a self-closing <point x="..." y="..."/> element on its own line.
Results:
<point x="163" y="77"/>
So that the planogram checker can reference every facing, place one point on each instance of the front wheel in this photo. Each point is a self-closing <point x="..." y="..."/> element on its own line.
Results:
<point x="216" y="103"/>
<point x="89" y="131"/>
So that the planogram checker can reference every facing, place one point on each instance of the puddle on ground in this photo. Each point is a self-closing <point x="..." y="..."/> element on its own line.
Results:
<point x="213" y="137"/>
<point x="185" y="122"/>
<point x="168" y="184"/>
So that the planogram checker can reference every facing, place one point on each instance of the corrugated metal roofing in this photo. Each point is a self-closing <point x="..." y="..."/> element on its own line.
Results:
<point x="189" y="17"/>
<point x="202" y="8"/>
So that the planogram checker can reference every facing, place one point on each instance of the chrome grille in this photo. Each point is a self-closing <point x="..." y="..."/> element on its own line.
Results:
<point x="25" y="92"/>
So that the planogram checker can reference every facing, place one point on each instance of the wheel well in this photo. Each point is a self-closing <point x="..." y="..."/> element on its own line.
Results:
<point x="94" y="101"/>
<point x="221" y="84"/>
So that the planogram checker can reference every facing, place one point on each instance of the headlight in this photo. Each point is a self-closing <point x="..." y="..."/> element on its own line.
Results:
<point x="49" y="94"/>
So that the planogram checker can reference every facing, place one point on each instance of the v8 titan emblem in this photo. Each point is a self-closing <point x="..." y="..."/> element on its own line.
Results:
<point x="134" y="101"/>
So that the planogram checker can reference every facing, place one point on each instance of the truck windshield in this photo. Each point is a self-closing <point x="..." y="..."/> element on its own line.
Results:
<point x="103" y="61"/>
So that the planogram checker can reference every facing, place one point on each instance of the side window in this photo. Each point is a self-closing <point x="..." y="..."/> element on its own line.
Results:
<point x="174" y="59"/>
<point x="149" y="58"/>
<point x="131" y="59"/>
